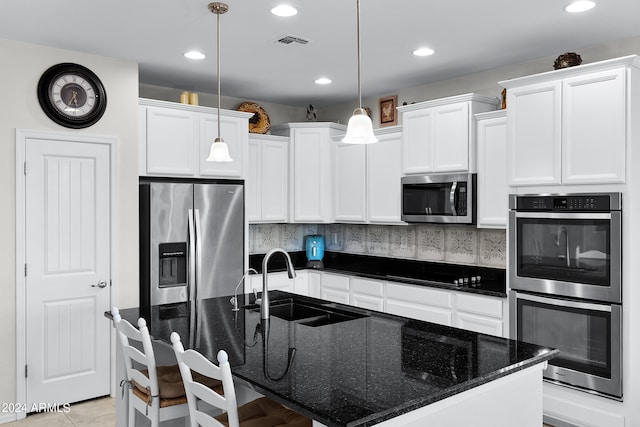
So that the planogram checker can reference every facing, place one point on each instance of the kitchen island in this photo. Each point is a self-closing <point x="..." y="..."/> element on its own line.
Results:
<point x="344" y="366"/>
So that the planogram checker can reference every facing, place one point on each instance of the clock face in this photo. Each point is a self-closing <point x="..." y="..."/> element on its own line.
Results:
<point x="71" y="95"/>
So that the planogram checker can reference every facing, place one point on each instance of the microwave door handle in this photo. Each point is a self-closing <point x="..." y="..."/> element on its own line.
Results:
<point x="452" y="197"/>
<point x="192" y="257"/>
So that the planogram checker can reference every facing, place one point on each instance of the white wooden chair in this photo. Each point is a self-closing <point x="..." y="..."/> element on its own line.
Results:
<point x="262" y="412"/>
<point x="155" y="392"/>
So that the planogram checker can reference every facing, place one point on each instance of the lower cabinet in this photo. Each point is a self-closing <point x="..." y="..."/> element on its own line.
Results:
<point x="367" y="293"/>
<point x="419" y="302"/>
<point x="335" y="287"/>
<point x="480" y="313"/>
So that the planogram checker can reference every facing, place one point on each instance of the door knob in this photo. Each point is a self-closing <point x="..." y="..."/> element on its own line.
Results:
<point x="101" y="284"/>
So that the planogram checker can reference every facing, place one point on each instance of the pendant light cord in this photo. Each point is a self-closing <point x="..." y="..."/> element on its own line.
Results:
<point x="359" y="56"/>
<point x="218" y="14"/>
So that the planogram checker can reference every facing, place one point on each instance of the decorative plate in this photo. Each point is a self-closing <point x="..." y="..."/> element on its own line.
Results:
<point x="260" y="122"/>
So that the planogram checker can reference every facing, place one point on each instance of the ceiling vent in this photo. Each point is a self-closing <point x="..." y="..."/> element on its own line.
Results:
<point x="290" y="40"/>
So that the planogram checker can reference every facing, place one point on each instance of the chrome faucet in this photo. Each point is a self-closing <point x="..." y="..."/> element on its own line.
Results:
<point x="264" y="307"/>
<point x="567" y="256"/>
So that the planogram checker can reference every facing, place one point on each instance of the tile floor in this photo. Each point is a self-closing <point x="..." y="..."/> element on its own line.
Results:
<point x="91" y="413"/>
<point x="99" y="412"/>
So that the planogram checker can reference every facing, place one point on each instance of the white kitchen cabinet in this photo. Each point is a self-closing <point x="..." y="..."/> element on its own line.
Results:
<point x="350" y="194"/>
<point x="278" y="281"/>
<point x="481" y="313"/>
<point x="420" y="302"/>
<point x="570" y="126"/>
<point x="171" y="142"/>
<point x="439" y="135"/>
<point x="175" y="140"/>
<point x="384" y="170"/>
<point x="311" y="169"/>
<point x="335" y="287"/>
<point x="367" y="293"/>
<point x="493" y="188"/>
<point x="266" y="187"/>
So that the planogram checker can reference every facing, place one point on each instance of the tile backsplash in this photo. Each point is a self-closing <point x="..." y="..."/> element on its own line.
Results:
<point x="455" y="244"/>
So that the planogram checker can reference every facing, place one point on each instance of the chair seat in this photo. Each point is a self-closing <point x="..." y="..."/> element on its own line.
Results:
<point x="171" y="385"/>
<point x="265" y="412"/>
<point x="164" y="402"/>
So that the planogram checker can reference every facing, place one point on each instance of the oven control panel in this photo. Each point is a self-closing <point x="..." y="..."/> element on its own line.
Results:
<point x="569" y="202"/>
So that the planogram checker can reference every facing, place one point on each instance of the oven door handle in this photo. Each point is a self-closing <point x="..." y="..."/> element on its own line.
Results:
<point x="573" y="215"/>
<point x="565" y="303"/>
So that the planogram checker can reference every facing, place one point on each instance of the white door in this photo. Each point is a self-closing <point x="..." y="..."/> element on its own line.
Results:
<point x="68" y="268"/>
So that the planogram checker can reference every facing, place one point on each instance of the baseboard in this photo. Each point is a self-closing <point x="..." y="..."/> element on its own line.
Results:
<point x="7" y="418"/>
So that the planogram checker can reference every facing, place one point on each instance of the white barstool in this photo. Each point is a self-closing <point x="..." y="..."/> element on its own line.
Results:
<point x="156" y="392"/>
<point x="262" y="412"/>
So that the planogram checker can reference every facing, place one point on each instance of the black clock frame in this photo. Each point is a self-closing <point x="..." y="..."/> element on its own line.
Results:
<point x="44" y="95"/>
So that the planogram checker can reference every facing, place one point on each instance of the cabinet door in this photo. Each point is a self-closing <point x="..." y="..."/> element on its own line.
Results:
<point x="234" y="132"/>
<point x="384" y="170"/>
<point x="312" y="179"/>
<point x="480" y="313"/>
<point x="171" y="142"/>
<point x="417" y="141"/>
<point x="274" y="172"/>
<point x="350" y="185"/>
<point x="493" y="188"/>
<point x="451" y="138"/>
<point x="253" y="185"/>
<point x="594" y="133"/>
<point x="534" y="131"/>
<point x="479" y="324"/>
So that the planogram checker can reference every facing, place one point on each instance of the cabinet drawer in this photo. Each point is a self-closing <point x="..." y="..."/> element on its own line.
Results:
<point x="367" y="287"/>
<point x="485" y="306"/>
<point x="335" y="281"/>
<point x="420" y="295"/>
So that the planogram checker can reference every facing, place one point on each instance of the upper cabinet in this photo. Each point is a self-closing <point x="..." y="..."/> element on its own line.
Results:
<point x="367" y="179"/>
<point x="570" y="126"/>
<point x="439" y="135"/>
<point x="266" y="186"/>
<point x="175" y="140"/>
<point x="311" y="170"/>
<point x="493" y="188"/>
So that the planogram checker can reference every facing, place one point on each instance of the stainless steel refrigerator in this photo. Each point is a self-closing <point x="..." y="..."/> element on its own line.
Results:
<point x="191" y="239"/>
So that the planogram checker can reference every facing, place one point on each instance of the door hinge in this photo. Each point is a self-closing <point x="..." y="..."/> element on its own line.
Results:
<point x="25" y="168"/>
<point x="25" y="270"/>
<point x="26" y="371"/>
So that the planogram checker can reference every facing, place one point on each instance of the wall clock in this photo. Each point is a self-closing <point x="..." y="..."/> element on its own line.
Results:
<point x="72" y="95"/>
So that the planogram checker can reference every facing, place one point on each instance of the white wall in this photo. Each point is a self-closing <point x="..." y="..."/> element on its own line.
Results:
<point x="483" y="83"/>
<point x="22" y="66"/>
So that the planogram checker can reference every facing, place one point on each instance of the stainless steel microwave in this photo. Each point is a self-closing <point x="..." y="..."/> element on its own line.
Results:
<point x="440" y="198"/>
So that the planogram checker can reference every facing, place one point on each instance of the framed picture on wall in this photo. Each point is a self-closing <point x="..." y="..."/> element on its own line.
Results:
<point x="388" y="113"/>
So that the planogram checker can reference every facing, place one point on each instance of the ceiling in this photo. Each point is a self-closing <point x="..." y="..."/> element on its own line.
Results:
<point x="467" y="35"/>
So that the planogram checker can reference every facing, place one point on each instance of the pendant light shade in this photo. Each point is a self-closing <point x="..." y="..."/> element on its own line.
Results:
<point x="359" y="128"/>
<point x="219" y="151"/>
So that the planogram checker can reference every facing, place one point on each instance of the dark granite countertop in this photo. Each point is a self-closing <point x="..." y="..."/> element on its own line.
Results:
<point x="354" y="373"/>
<point x="423" y="273"/>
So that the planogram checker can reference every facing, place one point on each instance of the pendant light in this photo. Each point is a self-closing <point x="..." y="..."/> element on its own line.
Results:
<point x="359" y="128"/>
<point x="219" y="151"/>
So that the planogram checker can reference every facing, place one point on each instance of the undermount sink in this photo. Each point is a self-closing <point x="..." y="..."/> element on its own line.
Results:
<point x="306" y="314"/>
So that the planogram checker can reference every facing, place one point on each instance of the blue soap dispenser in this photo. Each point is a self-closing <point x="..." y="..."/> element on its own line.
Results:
<point x="315" y="250"/>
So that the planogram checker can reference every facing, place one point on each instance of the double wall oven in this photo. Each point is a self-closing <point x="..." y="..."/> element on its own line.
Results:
<point x="565" y="275"/>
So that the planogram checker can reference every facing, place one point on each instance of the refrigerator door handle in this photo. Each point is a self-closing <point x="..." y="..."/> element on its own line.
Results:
<point x="198" y="259"/>
<point x="191" y="286"/>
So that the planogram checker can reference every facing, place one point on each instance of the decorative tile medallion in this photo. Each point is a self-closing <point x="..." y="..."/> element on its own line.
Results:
<point x="265" y="237"/>
<point x="292" y="237"/>
<point x="461" y="243"/>
<point x="430" y="242"/>
<point x="378" y="240"/>
<point x="493" y="248"/>
<point x="355" y="240"/>
<point x="403" y="241"/>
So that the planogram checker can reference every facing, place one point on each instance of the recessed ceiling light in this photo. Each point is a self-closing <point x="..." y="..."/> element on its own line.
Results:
<point x="284" y="10"/>
<point x="580" y="6"/>
<point x="322" y="81"/>
<point x="423" y="51"/>
<point x="194" y="54"/>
